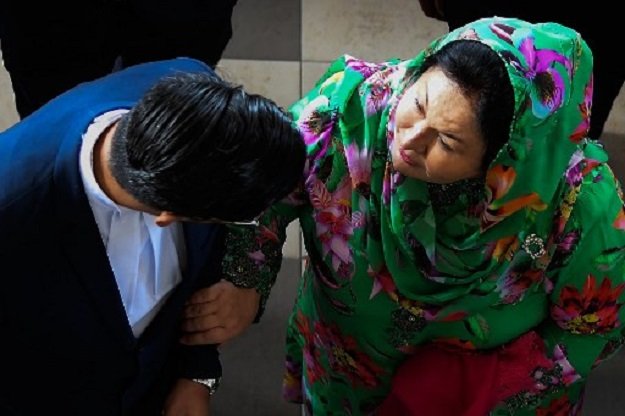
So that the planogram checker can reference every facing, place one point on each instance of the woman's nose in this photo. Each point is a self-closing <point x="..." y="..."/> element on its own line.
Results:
<point x="417" y="138"/>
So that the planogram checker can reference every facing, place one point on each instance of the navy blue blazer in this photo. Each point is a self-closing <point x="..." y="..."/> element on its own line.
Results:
<point x="65" y="343"/>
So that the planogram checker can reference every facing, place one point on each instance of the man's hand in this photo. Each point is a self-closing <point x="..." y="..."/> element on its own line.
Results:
<point x="187" y="398"/>
<point x="218" y="313"/>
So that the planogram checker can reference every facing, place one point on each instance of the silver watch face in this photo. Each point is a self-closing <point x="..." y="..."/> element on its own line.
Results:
<point x="210" y="383"/>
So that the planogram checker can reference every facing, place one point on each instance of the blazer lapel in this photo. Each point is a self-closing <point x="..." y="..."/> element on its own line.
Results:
<point x="83" y="245"/>
<point x="204" y="247"/>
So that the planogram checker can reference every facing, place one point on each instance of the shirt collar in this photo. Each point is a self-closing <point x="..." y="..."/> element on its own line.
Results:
<point x="90" y="137"/>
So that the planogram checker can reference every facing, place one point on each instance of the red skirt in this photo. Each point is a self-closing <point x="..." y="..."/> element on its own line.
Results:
<point x="436" y="381"/>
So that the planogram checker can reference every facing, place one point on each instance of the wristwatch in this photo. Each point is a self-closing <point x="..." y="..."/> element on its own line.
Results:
<point x="212" y="384"/>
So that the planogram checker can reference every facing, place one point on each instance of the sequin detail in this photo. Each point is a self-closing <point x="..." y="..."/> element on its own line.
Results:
<point x="246" y="271"/>
<point x="534" y="246"/>
<point x="471" y="190"/>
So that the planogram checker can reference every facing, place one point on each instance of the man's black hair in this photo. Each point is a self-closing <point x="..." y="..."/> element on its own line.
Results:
<point x="202" y="148"/>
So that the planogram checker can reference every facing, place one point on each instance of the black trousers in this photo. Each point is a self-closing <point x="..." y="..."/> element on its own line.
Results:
<point x="597" y="24"/>
<point x="50" y="47"/>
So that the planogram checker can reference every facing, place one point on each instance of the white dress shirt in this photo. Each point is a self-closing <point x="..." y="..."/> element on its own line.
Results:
<point x="145" y="258"/>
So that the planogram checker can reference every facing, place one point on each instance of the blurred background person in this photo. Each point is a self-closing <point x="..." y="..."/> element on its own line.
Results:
<point x="53" y="46"/>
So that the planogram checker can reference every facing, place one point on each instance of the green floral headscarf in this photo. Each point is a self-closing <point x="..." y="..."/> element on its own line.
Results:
<point x="550" y="70"/>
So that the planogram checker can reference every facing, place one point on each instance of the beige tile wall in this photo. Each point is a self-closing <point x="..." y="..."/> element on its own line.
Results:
<point x="616" y="120"/>
<point x="8" y="115"/>
<point x="279" y="80"/>
<point x="368" y="29"/>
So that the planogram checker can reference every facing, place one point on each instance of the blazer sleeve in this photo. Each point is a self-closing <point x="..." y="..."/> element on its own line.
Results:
<point x="198" y="361"/>
<point x="202" y="361"/>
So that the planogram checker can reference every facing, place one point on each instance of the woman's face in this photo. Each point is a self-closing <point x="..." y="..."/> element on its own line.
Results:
<point x="437" y="135"/>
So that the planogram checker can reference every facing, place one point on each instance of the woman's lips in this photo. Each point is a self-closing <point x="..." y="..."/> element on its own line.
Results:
<point x="407" y="159"/>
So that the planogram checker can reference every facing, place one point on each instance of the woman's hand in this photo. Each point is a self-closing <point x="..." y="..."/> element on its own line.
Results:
<point x="218" y="313"/>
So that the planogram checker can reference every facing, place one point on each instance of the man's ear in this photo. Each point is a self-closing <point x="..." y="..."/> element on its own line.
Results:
<point x="166" y="218"/>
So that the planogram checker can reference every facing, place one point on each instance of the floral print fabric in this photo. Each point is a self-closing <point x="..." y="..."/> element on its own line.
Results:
<point x="542" y="247"/>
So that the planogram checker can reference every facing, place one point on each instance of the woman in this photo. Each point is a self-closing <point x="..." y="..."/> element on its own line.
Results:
<point x="452" y="209"/>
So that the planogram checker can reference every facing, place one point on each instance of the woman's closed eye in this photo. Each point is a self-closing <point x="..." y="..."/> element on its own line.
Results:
<point x="444" y="143"/>
<point x="418" y="105"/>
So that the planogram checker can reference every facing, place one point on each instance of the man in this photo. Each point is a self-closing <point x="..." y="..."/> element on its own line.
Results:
<point x="111" y="196"/>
